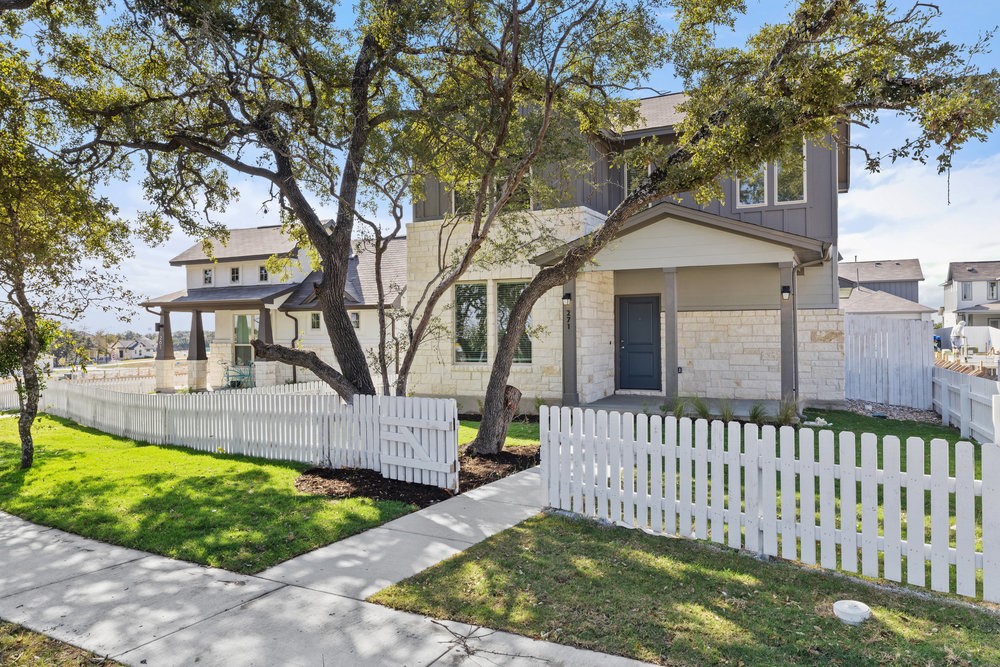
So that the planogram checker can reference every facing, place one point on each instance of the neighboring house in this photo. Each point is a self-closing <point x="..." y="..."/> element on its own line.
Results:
<point x="865" y="301"/>
<point x="736" y="299"/>
<point x="899" y="277"/>
<point x="140" y="348"/>
<point x="248" y="302"/>
<point x="972" y="293"/>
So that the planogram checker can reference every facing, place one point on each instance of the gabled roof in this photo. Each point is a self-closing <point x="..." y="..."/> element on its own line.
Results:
<point x="864" y="301"/>
<point x="964" y="272"/>
<point x="657" y="114"/>
<point x="246" y="243"/>
<point x="881" y="271"/>
<point x="361" y="290"/>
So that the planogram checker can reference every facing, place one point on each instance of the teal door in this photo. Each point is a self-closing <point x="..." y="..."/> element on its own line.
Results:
<point x="639" y="342"/>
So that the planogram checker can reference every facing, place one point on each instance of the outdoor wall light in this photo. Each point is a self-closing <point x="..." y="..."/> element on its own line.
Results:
<point x="786" y="292"/>
<point x="567" y="298"/>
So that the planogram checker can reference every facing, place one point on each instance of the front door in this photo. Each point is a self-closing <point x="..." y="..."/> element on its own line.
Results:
<point x="639" y="342"/>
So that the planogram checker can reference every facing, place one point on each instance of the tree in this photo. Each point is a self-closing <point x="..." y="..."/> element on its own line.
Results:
<point x="833" y="61"/>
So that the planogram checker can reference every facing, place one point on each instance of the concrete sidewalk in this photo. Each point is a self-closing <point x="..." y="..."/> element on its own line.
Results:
<point x="142" y="609"/>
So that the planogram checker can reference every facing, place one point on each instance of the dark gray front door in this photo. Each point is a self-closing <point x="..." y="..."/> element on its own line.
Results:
<point x="639" y="342"/>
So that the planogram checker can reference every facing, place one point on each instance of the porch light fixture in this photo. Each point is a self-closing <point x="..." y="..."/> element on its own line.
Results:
<point x="786" y="292"/>
<point x="567" y="298"/>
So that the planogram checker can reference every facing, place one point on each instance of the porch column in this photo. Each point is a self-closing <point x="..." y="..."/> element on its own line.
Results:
<point x="197" y="361"/>
<point x="671" y="356"/>
<point x="164" y="362"/>
<point x="265" y="373"/>
<point x="789" y="333"/>
<point x="571" y="395"/>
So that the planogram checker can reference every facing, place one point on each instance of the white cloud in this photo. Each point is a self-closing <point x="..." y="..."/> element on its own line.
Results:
<point x="904" y="212"/>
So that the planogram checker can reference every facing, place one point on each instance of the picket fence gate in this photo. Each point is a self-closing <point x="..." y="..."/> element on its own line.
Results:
<point x="971" y="403"/>
<point x="888" y="361"/>
<point x="736" y="485"/>
<point x="409" y="439"/>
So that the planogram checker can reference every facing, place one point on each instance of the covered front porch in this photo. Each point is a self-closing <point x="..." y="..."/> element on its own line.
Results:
<point x="693" y="305"/>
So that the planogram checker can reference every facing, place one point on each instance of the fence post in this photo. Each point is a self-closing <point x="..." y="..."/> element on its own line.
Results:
<point x="991" y="520"/>
<point x="965" y="408"/>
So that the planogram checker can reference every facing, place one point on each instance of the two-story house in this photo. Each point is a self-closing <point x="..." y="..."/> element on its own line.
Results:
<point x="972" y="293"/>
<point x="738" y="299"/>
<point x="248" y="301"/>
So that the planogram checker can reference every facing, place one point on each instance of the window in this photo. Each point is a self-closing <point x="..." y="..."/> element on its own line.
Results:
<point x="752" y="188"/>
<point x="507" y="294"/>
<point x="234" y="274"/>
<point x="790" y="176"/>
<point x="262" y="274"/>
<point x="966" y="291"/>
<point x="470" y="322"/>
<point x="206" y="277"/>
<point x="314" y="321"/>
<point x="993" y="290"/>
<point x="634" y="173"/>
<point x="355" y="320"/>
<point x="463" y="199"/>
<point x="244" y="330"/>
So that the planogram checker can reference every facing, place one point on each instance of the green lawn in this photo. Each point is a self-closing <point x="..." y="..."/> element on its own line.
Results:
<point x="519" y="433"/>
<point x="20" y="647"/>
<point x="682" y="602"/>
<point x="238" y="513"/>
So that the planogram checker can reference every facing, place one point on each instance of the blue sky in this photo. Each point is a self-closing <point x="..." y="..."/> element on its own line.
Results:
<point x="902" y="212"/>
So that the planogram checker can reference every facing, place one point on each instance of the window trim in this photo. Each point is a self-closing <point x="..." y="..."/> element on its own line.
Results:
<point x="993" y="290"/>
<point x="625" y="179"/>
<point x="355" y="319"/>
<point x="254" y="319"/>
<point x="805" y="181"/>
<point x="315" y="322"/>
<point x="208" y="277"/>
<point x="966" y="285"/>
<point x="234" y="275"/>
<point x="739" y="200"/>
<point x="524" y="283"/>
<point x="262" y="274"/>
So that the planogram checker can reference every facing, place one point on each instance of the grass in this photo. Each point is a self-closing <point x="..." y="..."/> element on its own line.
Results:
<point x="237" y="513"/>
<point x="682" y="602"/>
<point x="20" y="647"/>
<point x="519" y="433"/>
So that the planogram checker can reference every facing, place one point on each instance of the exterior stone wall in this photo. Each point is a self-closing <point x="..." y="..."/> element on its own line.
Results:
<point x="595" y="335"/>
<point x="730" y="354"/>
<point x="821" y="355"/>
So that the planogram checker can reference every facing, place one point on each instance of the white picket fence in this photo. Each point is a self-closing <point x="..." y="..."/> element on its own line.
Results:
<point x="888" y="361"/>
<point x="8" y="397"/>
<point x="971" y="403"/>
<point x="409" y="439"/>
<point x="736" y="484"/>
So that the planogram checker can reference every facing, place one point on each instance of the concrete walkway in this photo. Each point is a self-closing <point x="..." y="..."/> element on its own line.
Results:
<point x="142" y="609"/>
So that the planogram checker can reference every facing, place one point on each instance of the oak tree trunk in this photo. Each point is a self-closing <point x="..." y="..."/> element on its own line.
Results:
<point x="493" y="432"/>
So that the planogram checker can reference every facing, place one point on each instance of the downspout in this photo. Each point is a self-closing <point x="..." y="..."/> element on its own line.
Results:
<point x="295" y="339"/>
<point x="827" y="256"/>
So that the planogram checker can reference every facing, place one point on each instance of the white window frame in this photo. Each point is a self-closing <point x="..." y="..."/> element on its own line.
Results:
<point x="805" y="181"/>
<point x="207" y="277"/>
<point x="966" y="287"/>
<point x="254" y="332"/>
<point x="262" y="274"/>
<point x="234" y="275"/>
<point x="993" y="290"/>
<point x="355" y="319"/>
<point x="739" y="202"/>
<point x="314" y="322"/>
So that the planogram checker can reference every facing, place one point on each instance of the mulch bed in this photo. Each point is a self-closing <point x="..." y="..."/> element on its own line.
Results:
<point x="474" y="471"/>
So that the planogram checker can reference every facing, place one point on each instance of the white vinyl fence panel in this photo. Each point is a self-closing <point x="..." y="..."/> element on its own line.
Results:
<point x="413" y="439"/>
<point x="736" y="485"/>
<point x="888" y="361"/>
<point x="968" y="402"/>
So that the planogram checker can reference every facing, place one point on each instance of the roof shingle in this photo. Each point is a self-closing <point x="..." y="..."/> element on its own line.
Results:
<point x="245" y="243"/>
<point x="881" y="271"/>
<point x="973" y="271"/>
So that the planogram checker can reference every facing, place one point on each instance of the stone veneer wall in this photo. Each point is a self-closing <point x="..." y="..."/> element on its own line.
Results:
<point x="821" y="355"/>
<point x="730" y="354"/>
<point x="595" y="335"/>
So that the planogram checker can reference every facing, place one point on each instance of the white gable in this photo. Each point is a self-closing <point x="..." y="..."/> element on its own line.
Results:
<point x="673" y="243"/>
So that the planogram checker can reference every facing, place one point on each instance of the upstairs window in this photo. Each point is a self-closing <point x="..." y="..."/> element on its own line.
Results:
<point x="507" y="294"/>
<point x="753" y="188"/>
<point x="355" y="320"/>
<point x="314" y="321"/>
<point x="262" y="274"/>
<point x="966" y="291"/>
<point x="206" y="277"/>
<point x="234" y="274"/>
<point x="790" y="177"/>
<point x="634" y="173"/>
<point x="470" y="322"/>
<point x="993" y="290"/>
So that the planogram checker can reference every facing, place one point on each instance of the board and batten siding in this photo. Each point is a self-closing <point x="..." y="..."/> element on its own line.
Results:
<point x="811" y="496"/>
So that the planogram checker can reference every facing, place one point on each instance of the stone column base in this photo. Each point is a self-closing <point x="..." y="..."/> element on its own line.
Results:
<point x="164" y="370"/>
<point x="265" y="373"/>
<point x="197" y="375"/>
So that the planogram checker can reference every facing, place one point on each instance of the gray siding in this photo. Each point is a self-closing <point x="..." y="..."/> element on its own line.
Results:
<point x="602" y="190"/>
<point x="906" y="289"/>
